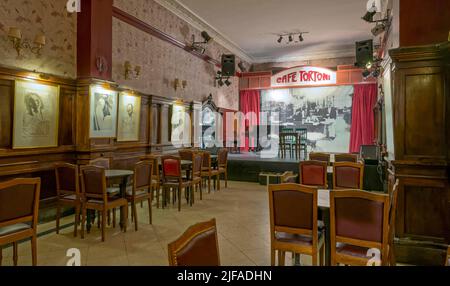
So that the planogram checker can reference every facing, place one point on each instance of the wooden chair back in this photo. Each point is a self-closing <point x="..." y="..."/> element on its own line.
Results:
<point x="19" y="202"/>
<point x="67" y="180"/>
<point x="313" y="173"/>
<point x="93" y="183"/>
<point x="143" y="171"/>
<point x="323" y="157"/>
<point x="206" y="165"/>
<point x="293" y="210"/>
<point x="155" y="161"/>
<point x="222" y="158"/>
<point x="101" y="162"/>
<point x="348" y="175"/>
<point x="198" y="246"/>
<point x="360" y="219"/>
<point x="197" y="163"/>
<point x="346" y="158"/>
<point x="186" y="154"/>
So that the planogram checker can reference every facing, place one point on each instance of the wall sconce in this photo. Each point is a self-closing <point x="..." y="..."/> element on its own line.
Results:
<point x="15" y="35"/>
<point x="177" y="83"/>
<point x="130" y="72"/>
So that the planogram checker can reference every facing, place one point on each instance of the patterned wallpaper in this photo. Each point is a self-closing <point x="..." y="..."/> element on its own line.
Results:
<point x="162" y="62"/>
<point x="36" y="17"/>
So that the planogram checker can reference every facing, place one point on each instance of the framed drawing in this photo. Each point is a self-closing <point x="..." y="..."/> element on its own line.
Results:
<point x="103" y="112"/>
<point x="180" y="123"/>
<point x="129" y="117"/>
<point x="36" y="115"/>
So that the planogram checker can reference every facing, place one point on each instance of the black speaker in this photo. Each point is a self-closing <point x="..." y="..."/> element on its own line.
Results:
<point x="364" y="53"/>
<point x="228" y="65"/>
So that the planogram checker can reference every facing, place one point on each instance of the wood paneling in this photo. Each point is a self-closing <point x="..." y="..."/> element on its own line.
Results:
<point x="6" y="98"/>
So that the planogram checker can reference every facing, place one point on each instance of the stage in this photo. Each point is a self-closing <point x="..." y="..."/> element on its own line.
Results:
<point x="247" y="167"/>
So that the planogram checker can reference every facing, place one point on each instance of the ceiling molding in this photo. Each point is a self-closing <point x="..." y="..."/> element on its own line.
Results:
<point x="197" y="22"/>
<point x="319" y="55"/>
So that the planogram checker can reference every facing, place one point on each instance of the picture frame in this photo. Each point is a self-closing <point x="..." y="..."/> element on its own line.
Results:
<point x="36" y="115"/>
<point x="102" y="112"/>
<point x="129" y="116"/>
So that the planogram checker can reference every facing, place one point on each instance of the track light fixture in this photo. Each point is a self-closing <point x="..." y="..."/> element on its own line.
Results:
<point x="290" y="37"/>
<point x="222" y="80"/>
<point x="200" y="46"/>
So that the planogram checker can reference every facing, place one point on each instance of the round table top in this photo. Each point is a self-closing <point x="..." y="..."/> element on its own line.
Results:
<point x="118" y="173"/>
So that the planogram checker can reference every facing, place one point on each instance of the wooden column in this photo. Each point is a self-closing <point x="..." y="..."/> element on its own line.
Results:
<point x="421" y="109"/>
<point x="94" y="39"/>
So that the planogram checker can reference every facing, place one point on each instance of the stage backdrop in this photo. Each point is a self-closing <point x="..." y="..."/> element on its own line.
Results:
<point x="324" y="111"/>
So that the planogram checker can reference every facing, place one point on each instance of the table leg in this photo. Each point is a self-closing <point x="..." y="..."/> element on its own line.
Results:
<point x="326" y="221"/>
<point x="123" y="191"/>
<point x="89" y="215"/>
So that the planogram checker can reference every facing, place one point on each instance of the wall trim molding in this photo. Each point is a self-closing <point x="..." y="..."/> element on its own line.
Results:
<point x="199" y="23"/>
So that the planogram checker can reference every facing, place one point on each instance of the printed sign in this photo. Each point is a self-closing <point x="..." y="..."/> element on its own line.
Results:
<point x="304" y="76"/>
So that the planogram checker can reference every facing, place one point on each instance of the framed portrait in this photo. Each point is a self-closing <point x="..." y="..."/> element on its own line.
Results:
<point x="129" y="117"/>
<point x="36" y="115"/>
<point x="103" y="112"/>
<point x="181" y="127"/>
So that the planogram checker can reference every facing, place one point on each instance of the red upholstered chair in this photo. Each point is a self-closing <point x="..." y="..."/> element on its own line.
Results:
<point x="323" y="157"/>
<point x="198" y="246"/>
<point x="346" y="158"/>
<point x="359" y="223"/>
<point x="293" y="222"/>
<point x="348" y="176"/>
<point x="313" y="173"/>
<point x="172" y="179"/>
<point x="142" y="189"/>
<point x="96" y="197"/>
<point x="222" y="164"/>
<point x="19" y="208"/>
<point x="68" y="192"/>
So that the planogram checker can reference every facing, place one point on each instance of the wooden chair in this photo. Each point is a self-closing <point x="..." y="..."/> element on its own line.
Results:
<point x="101" y="162"/>
<point x="346" y="158"/>
<point x="172" y="179"/>
<point x="185" y="154"/>
<point x="222" y="164"/>
<point x="323" y="157"/>
<point x="198" y="246"/>
<point x="348" y="176"/>
<point x="359" y="223"/>
<point x="313" y="173"/>
<point x="197" y="162"/>
<point x="156" y="178"/>
<point x="208" y="171"/>
<point x="294" y="223"/>
<point x="19" y="207"/>
<point x="96" y="197"/>
<point x="392" y="217"/>
<point x="142" y="189"/>
<point x="68" y="192"/>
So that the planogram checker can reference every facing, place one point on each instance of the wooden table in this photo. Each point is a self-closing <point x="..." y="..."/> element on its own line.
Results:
<point x="123" y="176"/>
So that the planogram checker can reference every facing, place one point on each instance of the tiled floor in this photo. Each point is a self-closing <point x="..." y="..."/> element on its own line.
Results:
<point x="241" y="211"/>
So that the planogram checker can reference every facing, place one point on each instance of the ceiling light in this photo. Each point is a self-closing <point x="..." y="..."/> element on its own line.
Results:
<point x="206" y="37"/>
<point x="220" y="82"/>
<point x="280" y="39"/>
<point x="291" y="38"/>
<point x="369" y="65"/>
<point x="301" y="38"/>
<point x="227" y="82"/>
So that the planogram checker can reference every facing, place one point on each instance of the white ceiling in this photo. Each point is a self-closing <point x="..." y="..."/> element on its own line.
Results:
<point x="251" y="26"/>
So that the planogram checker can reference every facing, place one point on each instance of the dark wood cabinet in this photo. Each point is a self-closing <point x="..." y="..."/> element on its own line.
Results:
<point x="421" y="123"/>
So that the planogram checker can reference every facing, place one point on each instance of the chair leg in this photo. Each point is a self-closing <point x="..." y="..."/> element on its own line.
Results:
<point x="272" y="256"/>
<point x="103" y="225"/>
<point x="109" y="217"/>
<point x="133" y="206"/>
<point x="34" y="250"/>
<point x="77" y="220"/>
<point x="125" y="218"/>
<point x="58" y="216"/>
<point x="226" y="179"/>
<point x="179" y="199"/>
<point x="157" y="197"/>
<point x="218" y="182"/>
<point x="201" y="191"/>
<point x="114" y="217"/>
<point x="142" y="204"/>
<point x="83" y="220"/>
<point x="150" y="210"/>
<point x="314" y="258"/>
<point x="15" y="253"/>
<point x="322" y="255"/>
<point x="99" y="214"/>
<point x="209" y="185"/>
<point x="281" y="258"/>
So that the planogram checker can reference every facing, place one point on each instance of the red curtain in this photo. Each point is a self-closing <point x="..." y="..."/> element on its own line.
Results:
<point x="250" y="102"/>
<point x="363" y="122"/>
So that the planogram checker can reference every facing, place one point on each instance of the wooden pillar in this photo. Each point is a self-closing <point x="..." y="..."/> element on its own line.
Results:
<point x="94" y="39"/>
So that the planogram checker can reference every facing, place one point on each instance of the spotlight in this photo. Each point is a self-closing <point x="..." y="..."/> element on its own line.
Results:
<point x="378" y="29"/>
<point x="301" y="38"/>
<point x="291" y="38"/>
<point x="369" y="65"/>
<point x="206" y="37"/>
<point x="220" y="82"/>
<point x="376" y="73"/>
<point x="280" y="39"/>
<point x="365" y="73"/>
<point x="227" y="82"/>
<point x="242" y="67"/>
<point x="369" y="16"/>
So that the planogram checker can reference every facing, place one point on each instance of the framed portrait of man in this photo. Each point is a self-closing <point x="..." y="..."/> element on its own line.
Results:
<point x="36" y="115"/>
<point x="129" y="117"/>
<point x="103" y="112"/>
<point x="180" y="126"/>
